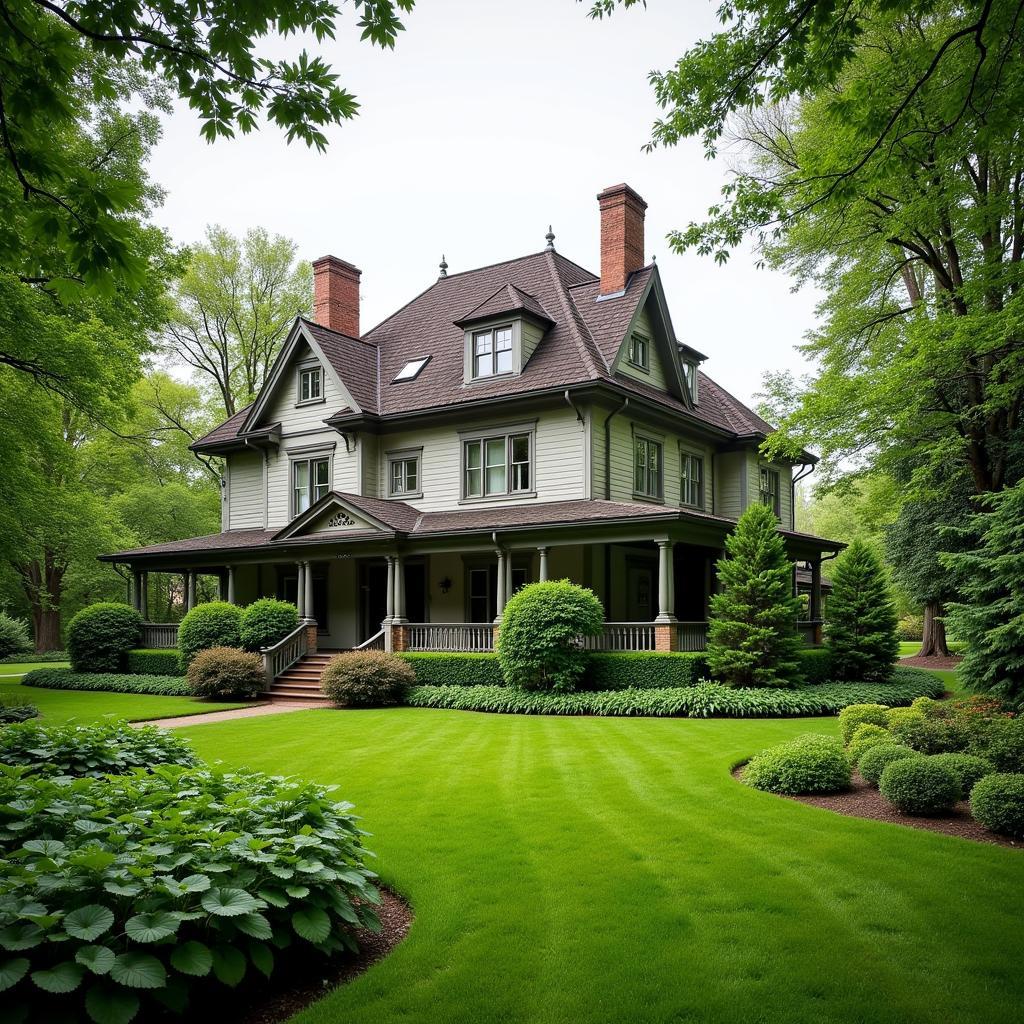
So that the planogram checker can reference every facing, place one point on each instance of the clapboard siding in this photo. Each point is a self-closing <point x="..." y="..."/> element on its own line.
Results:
<point x="245" y="494"/>
<point x="655" y="375"/>
<point x="345" y="470"/>
<point x="731" y="483"/>
<point x="293" y="418"/>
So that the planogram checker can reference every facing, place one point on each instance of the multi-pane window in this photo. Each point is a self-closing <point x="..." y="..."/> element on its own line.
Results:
<point x="770" y="489"/>
<point x="492" y="352"/>
<point x="639" y="351"/>
<point x="310" y="384"/>
<point x="310" y="482"/>
<point x="496" y="465"/>
<point x="647" y="467"/>
<point x="691" y="483"/>
<point x="690" y="374"/>
<point x="405" y="476"/>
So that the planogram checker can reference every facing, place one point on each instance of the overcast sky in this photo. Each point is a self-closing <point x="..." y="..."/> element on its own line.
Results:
<point x="485" y="123"/>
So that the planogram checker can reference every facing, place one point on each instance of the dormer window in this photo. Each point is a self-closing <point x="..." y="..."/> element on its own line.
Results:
<point x="690" y="376"/>
<point x="311" y="384"/>
<point x="492" y="352"/>
<point x="640" y="352"/>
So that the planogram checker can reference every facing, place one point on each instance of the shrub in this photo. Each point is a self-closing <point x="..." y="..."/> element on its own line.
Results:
<point x="142" y="662"/>
<point x="14" y="636"/>
<point x="215" y="624"/>
<point x="36" y="657"/>
<point x="122" y="897"/>
<point x="914" y="729"/>
<point x="919" y="785"/>
<point x="1004" y="744"/>
<point x="645" y="670"/>
<point x="65" y="679"/>
<point x="539" y="640"/>
<point x="752" y="638"/>
<point x="860" y="619"/>
<point x="877" y="758"/>
<point x="226" y="672"/>
<point x="100" y="637"/>
<point x="864" y="737"/>
<point x="266" y="621"/>
<point x="16" y="711"/>
<point x="443" y="669"/>
<point x="807" y="764"/>
<point x="967" y="769"/>
<point x="364" y="679"/>
<point x="910" y="628"/>
<point x="997" y="801"/>
<point x="859" y="714"/>
<point x="816" y="665"/>
<point x="108" y="748"/>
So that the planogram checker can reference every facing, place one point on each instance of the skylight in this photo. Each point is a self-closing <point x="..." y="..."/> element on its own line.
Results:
<point x="411" y="370"/>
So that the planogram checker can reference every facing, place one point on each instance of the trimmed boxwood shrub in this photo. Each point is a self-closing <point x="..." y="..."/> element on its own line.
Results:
<point x="865" y="736"/>
<point x="645" y="670"/>
<point x="122" y="898"/>
<point x="14" y="636"/>
<point x="108" y="748"/>
<point x="806" y="764"/>
<point x="816" y="664"/>
<point x="214" y="624"/>
<point x="1004" y="744"/>
<point x="453" y="669"/>
<point x="111" y="682"/>
<point x="917" y="730"/>
<point x="967" y="769"/>
<point x="876" y="759"/>
<point x="156" y="662"/>
<point x="367" y="679"/>
<point x="539" y="640"/>
<point x="918" y="785"/>
<point x="997" y="801"/>
<point x="858" y="714"/>
<point x="266" y="621"/>
<point x="100" y="637"/>
<point x="226" y="672"/>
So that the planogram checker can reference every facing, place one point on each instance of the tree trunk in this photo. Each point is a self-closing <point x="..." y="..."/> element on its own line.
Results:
<point x="46" y="622"/>
<point x="933" y="642"/>
<point x="43" y="583"/>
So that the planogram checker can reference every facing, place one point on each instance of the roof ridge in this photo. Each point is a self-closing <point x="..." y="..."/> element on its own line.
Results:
<point x="596" y="280"/>
<point x="569" y="309"/>
<point x="331" y="330"/>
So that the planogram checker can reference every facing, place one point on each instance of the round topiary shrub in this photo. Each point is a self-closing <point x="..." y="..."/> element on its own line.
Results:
<point x="914" y="728"/>
<point x="876" y="759"/>
<point x="226" y="672"/>
<point x="366" y="679"/>
<point x="1004" y="744"/>
<point x="807" y="764"/>
<point x="917" y="785"/>
<point x="14" y="636"/>
<point x="539" y="643"/>
<point x="215" y="624"/>
<point x="267" y="621"/>
<point x="100" y="637"/>
<point x="967" y="769"/>
<point x="997" y="801"/>
<point x="859" y="714"/>
<point x="864" y="737"/>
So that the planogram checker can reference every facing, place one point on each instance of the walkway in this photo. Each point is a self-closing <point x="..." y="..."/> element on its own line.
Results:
<point x="226" y="716"/>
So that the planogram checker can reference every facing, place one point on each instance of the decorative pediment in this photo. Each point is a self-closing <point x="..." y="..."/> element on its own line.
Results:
<point x="335" y="514"/>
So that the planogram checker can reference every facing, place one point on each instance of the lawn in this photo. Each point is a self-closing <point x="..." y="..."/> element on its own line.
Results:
<point x="606" y="870"/>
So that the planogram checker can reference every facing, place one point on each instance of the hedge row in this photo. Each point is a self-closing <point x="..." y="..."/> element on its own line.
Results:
<point x="155" y="662"/>
<point x="705" y="700"/>
<point x="65" y="679"/>
<point x="455" y="669"/>
<point x="34" y="657"/>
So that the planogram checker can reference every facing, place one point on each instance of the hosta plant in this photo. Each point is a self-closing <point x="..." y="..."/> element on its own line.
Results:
<point x="125" y="897"/>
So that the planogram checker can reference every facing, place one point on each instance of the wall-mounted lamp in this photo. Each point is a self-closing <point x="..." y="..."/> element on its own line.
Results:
<point x="445" y="585"/>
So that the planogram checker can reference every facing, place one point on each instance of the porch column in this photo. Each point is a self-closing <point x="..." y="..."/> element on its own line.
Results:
<point x="399" y="572"/>
<point x="543" y="563"/>
<point x="300" y="589"/>
<point x="815" y="602"/>
<point x="190" y="590"/>
<point x="307" y="584"/>
<point x="390" y="589"/>
<point x="666" y="602"/>
<point x="134" y="589"/>
<point x="231" y="584"/>
<point x="500" y="596"/>
<point x="144" y="595"/>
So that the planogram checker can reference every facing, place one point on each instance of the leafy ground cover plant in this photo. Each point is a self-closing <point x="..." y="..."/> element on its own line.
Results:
<point x="17" y="711"/>
<point x="226" y="672"/>
<point x="214" y="624"/>
<point x="266" y="621"/>
<point x="967" y="769"/>
<point x="100" y="637"/>
<point x="997" y="801"/>
<point x="876" y="759"/>
<point x="361" y="679"/>
<point x="806" y="764"/>
<point x="918" y="785"/>
<point x="865" y="736"/>
<point x="110" y="682"/>
<point x="123" y="898"/>
<point x="107" y="748"/>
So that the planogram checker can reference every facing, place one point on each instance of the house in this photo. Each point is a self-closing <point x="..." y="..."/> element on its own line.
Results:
<point x="524" y="421"/>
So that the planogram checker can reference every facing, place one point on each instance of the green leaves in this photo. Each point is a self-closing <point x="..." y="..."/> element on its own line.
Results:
<point x="98" y="959"/>
<point x="192" y="958"/>
<point x="12" y="971"/>
<point x="88" y="922"/>
<point x="138" y="970"/>
<point x="65" y="977"/>
<point x="106" y="1005"/>
<point x="311" y="924"/>
<point x="152" y="927"/>
<point x="224" y="901"/>
<point x="228" y="965"/>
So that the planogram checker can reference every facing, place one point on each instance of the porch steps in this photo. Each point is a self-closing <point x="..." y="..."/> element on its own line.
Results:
<point x="301" y="682"/>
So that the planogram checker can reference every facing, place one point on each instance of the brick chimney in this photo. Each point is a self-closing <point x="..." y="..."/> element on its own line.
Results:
<point x="622" y="236"/>
<point x="336" y="295"/>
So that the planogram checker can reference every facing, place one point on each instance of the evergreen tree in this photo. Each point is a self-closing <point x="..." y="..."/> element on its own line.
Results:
<point x="990" y="620"/>
<point x="752" y="638"/>
<point x="860" y="618"/>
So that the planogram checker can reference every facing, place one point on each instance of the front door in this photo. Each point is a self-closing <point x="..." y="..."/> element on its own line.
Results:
<point x="639" y="594"/>
<point x="373" y="598"/>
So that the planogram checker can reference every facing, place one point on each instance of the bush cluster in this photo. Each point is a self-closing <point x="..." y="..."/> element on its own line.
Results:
<point x="864" y="737"/>
<point x="14" y="636"/>
<point x="226" y="672"/>
<point x="855" y="715"/>
<point x="110" y="682"/>
<point x="99" y="637"/>
<point x="875" y="760"/>
<point x="266" y="621"/>
<point x="214" y="624"/>
<point x="967" y="769"/>
<point x="1003" y="744"/>
<point x="144" y="662"/>
<point x="910" y="628"/>
<point x="362" y="679"/>
<point x="806" y="764"/>
<point x="816" y="665"/>
<point x="454" y="669"/>
<point x="919" y="785"/>
<point x="997" y="801"/>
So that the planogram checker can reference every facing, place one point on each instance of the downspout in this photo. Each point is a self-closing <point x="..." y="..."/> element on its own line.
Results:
<point x="608" y="448"/>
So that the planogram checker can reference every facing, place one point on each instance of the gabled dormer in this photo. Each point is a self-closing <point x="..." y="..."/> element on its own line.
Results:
<point x="501" y="333"/>
<point x="689" y="363"/>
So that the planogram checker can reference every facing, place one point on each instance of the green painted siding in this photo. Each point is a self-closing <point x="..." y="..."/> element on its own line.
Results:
<point x="245" y="495"/>
<point x="656" y="372"/>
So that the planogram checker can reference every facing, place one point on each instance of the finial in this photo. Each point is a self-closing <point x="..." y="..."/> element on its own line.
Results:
<point x="550" y="236"/>
<point x="444" y="267"/>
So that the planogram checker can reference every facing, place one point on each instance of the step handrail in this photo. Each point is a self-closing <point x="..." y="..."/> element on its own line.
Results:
<point x="375" y="643"/>
<point x="286" y="652"/>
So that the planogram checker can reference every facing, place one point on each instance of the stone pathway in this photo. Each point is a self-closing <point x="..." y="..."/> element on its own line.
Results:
<point x="226" y="716"/>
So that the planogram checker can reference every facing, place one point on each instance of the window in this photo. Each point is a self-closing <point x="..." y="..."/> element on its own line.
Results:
<point x="639" y="351"/>
<point x="310" y="482"/>
<point x="404" y="476"/>
<point x="411" y="370"/>
<point x="770" y="489"/>
<point x="647" y="467"/>
<point x="691" y="487"/>
<point x="311" y="384"/>
<point x="690" y="375"/>
<point x="492" y="352"/>
<point x="496" y="465"/>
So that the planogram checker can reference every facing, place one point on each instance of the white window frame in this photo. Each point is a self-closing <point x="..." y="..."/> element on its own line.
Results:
<point x="480" y="442"/>
<point x="640" y="345"/>
<point x="688" y="459"/>
<point x="309" y="461"/>
<point x="492" y="354"/>
<point x="765" y="494"/>
<point x="647" y="440"/>
<point x="690" y="376"/>
<point x="403" y="457"/>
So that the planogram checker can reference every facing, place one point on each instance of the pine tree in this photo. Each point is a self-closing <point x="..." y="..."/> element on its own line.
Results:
<point x="860" y="618"/>
<point x="752" y="638"/>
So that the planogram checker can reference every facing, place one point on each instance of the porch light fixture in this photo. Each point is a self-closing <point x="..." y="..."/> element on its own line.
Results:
<point x="445" y="585"/>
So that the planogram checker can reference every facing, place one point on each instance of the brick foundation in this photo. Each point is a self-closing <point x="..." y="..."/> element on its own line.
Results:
<point x="665" y="636"/>
<point x="399" y="639"/>
<point x="311" y="639"/>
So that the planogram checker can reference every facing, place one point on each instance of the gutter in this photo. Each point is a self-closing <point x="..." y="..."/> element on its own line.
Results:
<point x="608" y="448"/>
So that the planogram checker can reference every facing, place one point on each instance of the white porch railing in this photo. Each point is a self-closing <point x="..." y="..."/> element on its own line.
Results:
<point x="375" y="643"/>
<point x="285" y="653"/>
<point x="159" y="635"/>
<point x="473" y="637"/>
<point x="691" y="636"/>
<point x="622" y="636"/>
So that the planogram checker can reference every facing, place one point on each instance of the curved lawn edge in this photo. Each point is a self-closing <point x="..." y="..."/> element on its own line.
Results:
<point x="705" y="700"/>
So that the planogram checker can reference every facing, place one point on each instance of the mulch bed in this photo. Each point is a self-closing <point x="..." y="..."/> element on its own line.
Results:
<point x="864" y="801"/>
<point x="935" y="663"/>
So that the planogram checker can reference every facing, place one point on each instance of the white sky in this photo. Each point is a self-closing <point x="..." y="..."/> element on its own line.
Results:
<point x="488" y="121"/>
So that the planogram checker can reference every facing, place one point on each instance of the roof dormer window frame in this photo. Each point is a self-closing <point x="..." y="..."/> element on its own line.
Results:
<point x="502" y="356"/>
<point x="309" y="383"/>
<point x="690" y="377"/>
